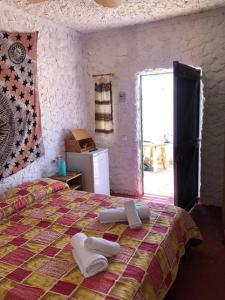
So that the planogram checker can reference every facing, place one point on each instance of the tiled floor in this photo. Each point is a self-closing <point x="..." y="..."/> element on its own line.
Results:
<point x="159" y="183"/>
<point x="159" y="198"/>
<point x="201" y="273"/>
<point x="158" y="187"/>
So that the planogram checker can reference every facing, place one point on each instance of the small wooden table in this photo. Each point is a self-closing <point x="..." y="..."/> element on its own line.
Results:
<point x="72" y="178"/>
<point x="155" y="153"/>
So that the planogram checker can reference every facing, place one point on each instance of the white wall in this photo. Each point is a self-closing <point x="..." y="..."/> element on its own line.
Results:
<point x="60" y="81"/>
<point x="198" y="40"/>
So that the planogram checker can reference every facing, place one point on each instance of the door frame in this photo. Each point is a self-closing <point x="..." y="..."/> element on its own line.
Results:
<point x="140" y="78"/>
<point x="141" y="121"/>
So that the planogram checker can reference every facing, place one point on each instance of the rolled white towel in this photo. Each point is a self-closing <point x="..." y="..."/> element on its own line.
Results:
<point x="132" y="215"/>
<point x="112" y="215"/>
<point x="102" y="246"/>
<point x="89" y="262"/>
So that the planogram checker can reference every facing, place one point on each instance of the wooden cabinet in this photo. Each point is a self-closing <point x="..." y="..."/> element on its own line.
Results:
<point x="72" y="178"/>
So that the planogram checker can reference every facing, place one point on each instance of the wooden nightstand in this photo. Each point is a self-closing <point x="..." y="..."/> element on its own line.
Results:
<point x="72" y="178"/>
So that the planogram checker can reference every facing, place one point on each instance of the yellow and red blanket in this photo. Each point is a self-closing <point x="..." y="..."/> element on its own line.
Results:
<point x="36" y="262"/>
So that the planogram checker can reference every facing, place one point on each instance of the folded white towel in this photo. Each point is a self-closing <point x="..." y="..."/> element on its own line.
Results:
<point x="112" y="215"/>
<point x="132" y="215"/>
<point x="102" y="246"/>
<point x="89" y="262"/>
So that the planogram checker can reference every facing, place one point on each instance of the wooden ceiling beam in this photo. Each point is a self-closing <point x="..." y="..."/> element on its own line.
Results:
<point x="35" y="1"/>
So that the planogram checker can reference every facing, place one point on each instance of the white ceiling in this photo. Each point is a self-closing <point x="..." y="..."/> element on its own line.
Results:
<point x="87" y="16"/>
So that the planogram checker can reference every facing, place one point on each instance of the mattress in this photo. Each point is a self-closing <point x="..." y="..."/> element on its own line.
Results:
<point x="38" y="220"/>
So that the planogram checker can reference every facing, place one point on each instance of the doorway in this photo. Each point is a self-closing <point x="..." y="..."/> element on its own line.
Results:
<point x="172" y="114"/>
<point x="157" y="132"/>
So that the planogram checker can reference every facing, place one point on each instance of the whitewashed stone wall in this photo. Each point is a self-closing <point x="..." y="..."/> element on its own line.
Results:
<point x="198" y="40"/>
<point x="61" y="90"/>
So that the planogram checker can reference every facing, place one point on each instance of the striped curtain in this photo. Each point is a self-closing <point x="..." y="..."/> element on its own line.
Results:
<point x="103" y="105"/>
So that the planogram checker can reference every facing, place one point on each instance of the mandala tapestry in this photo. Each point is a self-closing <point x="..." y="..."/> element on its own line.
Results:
<point x="20" y="123"/>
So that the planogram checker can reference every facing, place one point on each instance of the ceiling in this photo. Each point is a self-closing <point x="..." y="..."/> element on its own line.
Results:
<point x="87" y="16"/>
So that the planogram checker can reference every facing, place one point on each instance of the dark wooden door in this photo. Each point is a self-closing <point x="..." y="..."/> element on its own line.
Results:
<point x="186" y="134"/>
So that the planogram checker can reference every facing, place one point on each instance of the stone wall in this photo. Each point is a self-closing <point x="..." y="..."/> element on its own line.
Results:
<point x="61" y="87"/>
<point x="197" y="40"/>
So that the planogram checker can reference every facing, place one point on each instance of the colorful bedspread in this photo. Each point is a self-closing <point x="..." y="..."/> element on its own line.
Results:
<point x="36" y="261"/>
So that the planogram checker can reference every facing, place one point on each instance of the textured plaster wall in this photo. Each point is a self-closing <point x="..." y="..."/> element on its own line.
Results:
<point x="61" y="90"/>
<point x="198" y="40"/>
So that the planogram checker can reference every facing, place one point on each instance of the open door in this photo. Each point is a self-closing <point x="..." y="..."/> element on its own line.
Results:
<point x="186" y="134"/>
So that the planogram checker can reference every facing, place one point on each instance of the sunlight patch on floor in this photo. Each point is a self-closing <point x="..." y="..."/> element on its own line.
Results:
<point x="159" y="183"/>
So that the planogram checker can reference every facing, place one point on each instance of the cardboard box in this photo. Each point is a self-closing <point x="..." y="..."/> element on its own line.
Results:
<point x="79" y="140"/>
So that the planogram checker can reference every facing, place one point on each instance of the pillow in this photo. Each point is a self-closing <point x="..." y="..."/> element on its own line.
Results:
<point x="23" y="195"/>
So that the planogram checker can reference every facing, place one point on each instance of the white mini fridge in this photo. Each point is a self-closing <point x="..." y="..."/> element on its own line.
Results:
<point x="94" y="167"/>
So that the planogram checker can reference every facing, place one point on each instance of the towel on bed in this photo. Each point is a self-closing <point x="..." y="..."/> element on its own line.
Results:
<point x="112" y="215"/>
<point x="133" y="218"/>
<point x="102" y="246"/>
<point x="89" y="262"/>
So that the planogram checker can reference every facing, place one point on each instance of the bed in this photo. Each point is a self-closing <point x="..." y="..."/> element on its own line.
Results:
<point x="38" y="220"/>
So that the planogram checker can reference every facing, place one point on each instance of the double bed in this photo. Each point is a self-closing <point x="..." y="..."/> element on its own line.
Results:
<point x="37" y="221"/>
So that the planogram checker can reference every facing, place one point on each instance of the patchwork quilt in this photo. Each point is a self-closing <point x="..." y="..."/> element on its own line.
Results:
<point x="38" y="220"/>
